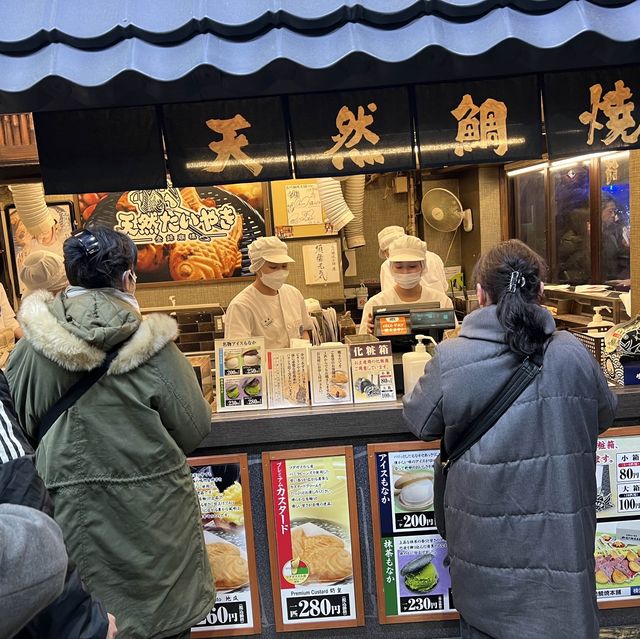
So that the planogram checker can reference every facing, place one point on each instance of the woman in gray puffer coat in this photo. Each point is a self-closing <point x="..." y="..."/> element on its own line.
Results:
<point x="520" y="503"/>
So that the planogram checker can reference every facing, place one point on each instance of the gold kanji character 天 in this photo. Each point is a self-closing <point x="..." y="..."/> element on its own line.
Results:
<point x="617" y="107"/>
<point x="355" y="128"/>
<point x="231" y="145"/>
<point x="481" y="126"/>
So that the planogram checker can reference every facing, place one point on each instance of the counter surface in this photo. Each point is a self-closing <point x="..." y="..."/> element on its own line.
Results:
<point x="353" y="421"/>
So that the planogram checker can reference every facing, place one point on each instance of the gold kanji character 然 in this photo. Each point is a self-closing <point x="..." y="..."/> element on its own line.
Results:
<point x="231" y="145"/>
<point x="616" y="106"/>
<point x="351" y="131"/>
<point x="481" y="126"/>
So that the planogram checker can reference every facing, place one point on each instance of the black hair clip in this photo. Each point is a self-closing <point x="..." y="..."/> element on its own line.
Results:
<point x="517" y="280"/>
<point x="88" y="241"/>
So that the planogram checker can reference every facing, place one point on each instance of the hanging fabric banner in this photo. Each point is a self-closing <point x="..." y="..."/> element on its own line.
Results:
<point x="592" y="111"/>
<point x="479" y="122"/>
<point x="226" y="141"/>
<point x="345" y="133"/>
<point x="100" y="151"/>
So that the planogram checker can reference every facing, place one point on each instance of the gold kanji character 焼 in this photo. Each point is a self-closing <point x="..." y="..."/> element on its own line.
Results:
<point x="351" y="131"/>
<point x="231" y="145"/>
<point x="481" y="126"/>
<point x="616" y="106"/>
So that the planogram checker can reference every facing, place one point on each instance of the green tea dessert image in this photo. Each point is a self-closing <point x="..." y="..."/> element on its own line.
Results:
<point x="420" y="575"/>
<point x="233" y="391"/>
<point x="253" y="387"/>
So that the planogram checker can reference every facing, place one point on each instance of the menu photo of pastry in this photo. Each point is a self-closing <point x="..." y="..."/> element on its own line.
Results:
<point x="330" y="375"/>
<point x="322" y="550"/>
<point x="617" y="559"/>
<point x="221" y="504"/>
<point x="228" y="562"/>
<point x="413" y="490"/>
<point x="186" y="234"/>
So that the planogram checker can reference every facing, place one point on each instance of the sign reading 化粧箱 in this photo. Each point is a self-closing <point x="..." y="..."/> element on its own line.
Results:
<point x="372" y="372"/>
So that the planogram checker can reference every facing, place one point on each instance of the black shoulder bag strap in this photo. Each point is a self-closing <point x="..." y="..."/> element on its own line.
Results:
<point x="493" y="412"/>
<point x="74" y="393"/>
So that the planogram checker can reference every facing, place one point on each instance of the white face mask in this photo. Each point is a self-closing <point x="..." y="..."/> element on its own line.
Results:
<point x="407" y="280"/>
<point x="275" y="280"/>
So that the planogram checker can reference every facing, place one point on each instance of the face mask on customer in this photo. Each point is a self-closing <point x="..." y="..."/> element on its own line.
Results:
<point x="407" y="280"/>
<point x="275" y="280"/>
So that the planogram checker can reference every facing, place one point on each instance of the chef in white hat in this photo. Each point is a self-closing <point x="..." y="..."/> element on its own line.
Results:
<point x="434" y="276"/>
<point x="44" y="270"/>
<point x="268" y="308"/>
<point x="407" y="266"/>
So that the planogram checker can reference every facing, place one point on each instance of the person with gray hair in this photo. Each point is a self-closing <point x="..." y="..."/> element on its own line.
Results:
<point x="268" y="308"/>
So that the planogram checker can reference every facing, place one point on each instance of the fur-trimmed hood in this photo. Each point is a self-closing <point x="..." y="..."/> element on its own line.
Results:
<point x="76" y="332"/>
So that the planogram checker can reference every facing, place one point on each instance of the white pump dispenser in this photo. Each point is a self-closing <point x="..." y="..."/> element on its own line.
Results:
<point x="413" y="363"/>
<point x="598" y="320"/>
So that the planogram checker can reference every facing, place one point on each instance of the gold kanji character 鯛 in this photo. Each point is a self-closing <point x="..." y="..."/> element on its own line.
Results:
<point x="481" y="126"/>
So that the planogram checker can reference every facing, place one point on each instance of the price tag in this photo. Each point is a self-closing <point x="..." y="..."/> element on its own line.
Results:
<point x="629" y="502"/>
<point x="426" y="603"/>
<point x="228" y="614"/>
<point x="415" y="521"/>
<point x="628" y="469"/>
<point x="328" y="607"/>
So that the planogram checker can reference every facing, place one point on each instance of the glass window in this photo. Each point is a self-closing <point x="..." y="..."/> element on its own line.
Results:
<point x="529" y="200"/>
<point x="614" y="217"/>
<point x="570" y="215"/>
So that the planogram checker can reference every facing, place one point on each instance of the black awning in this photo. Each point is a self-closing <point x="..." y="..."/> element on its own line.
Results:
<point x="65" y="54"/>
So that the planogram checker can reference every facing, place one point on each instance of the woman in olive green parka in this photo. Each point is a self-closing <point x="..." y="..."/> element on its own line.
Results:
<point x="115" y="461"/>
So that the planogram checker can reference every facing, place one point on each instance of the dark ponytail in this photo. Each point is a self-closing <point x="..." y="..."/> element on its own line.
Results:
<point x="510" y="275"/>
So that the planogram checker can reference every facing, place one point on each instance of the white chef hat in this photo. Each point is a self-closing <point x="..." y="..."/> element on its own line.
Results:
<point x="386" y="236"/>
<point x="267" y="249"/>
<point x="407" y="248"/>
<point x="43" y="269"/>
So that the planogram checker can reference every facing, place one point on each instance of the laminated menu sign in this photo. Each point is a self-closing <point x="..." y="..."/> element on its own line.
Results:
<point x="372" y="372"/>
<point x="617" y="550"/>
<point x="413" y="583"/>
<point x="313" y="538"/>
<point x="240" y="374"/>
<point x="222" y="486"/>
<point x="288" y="378"/>
<point x="330" y="380"/>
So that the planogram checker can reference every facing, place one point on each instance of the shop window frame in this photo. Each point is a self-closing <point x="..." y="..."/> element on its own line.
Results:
<point x="551" y="256"/>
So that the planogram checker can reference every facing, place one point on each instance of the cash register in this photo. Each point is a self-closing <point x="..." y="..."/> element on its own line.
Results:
<point x="398" y="323"/>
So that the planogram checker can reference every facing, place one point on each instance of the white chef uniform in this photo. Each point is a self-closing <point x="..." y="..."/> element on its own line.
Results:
<point x="277" y="318"/>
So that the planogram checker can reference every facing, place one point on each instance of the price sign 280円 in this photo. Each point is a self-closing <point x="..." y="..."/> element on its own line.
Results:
<point x="312" y="523"/>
